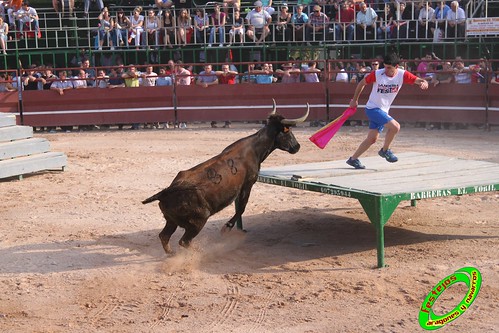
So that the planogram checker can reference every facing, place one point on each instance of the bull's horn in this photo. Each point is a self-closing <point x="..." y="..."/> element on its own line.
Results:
<point x="298" y="120"/>
<point x="274" y="108"/>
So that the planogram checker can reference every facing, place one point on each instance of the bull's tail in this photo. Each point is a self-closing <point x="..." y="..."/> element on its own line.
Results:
<point x="155" y="197"/>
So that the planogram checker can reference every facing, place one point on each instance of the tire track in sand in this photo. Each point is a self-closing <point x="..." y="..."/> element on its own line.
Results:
<point x="231" y="302"/>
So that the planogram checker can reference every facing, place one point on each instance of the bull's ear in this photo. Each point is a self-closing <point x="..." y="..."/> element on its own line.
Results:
<point x="297" y="120"/>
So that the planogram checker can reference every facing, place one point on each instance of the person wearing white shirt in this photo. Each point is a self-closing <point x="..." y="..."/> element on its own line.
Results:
<point x="456" y="21"/>
<point x="366" y="22"/>
<point x="27" y="15"/>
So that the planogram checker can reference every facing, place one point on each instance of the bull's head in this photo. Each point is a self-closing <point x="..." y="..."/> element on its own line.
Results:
<point x="285" y="139"/>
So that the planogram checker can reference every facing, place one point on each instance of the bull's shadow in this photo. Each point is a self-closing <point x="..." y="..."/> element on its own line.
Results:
<point x="272" y="239"/>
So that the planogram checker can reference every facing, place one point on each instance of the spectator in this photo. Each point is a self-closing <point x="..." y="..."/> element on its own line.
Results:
<point x="443" y="74"/>
<point x="136" y="26"/>
<point x="46" y="78"/>
<point x="248" y="76"/>
<point x="375" y="65"/>
<point x="283" y="31"/>
<point x="152" y="26"/>
<point x="426" y="14"/>
<point x="263" y="74"/>
<point x="80" y="81"/>
<point x="88" y="3"/>
<point x="61" y="84"/>
<point x="115" y="79"/>
<point x="366" y="22"/>
<point x="342" y="75"/>
<point x="207" y="77"/>
<point x="182" y="75"/>
<point x="201" y="25"/>
<point x="131" y="77"/>
<point x="317" y="26"/>
<point x="267" y="6"/>
<point x="102" y="80"/>
<point x="289" y="73"/>
<point x="345" y="18"/>
<point x="479" y="72"/>
<point x="30" y="78"/>
<point x="4" y="32"/>
<point x="225" y="76"/>
<point x="218" y="20"/>
<point x="148" y="78"/>
<point x="298" y="21"/>
<point x="423" y="64"/>
<point x="163" y="4"/>
<point x="456" y="21"/>
<point x="163" y="78"/>
<point x="311" y="73"/>
<point x="28" y="18"/>
<point x="237" y="28"/>
<point x="169" y="27"/>
<point x="385" y="23"/>
<point x="89" y="71"/>
<point x="398" y="28"/>
<point x="439" y="21"/>
<point x="462" y="74"/>
<point x="106" y="29"/>
<point x="12" y="7"/>
<point x="235" y="4"/>
<point x="4" y="84"/>
<point x="183" y="26"/>
<point x="121" y="25"/>
<point x="258" y="22"/>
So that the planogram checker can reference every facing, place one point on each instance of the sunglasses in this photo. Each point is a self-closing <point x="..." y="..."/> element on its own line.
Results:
<point x="316" y="11"/>
<point x="375" y="63"/>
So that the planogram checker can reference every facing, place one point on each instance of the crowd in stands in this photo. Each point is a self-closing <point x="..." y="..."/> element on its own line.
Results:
<point x="41" y="77"/>
<point x="168" y="23"/>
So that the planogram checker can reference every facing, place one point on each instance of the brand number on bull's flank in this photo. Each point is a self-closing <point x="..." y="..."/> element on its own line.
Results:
<point x="469" y="276"/>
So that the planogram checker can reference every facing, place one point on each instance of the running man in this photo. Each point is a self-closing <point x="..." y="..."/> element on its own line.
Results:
<point x="386" y="85"/>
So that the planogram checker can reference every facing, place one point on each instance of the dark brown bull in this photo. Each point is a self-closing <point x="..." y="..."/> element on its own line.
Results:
<point x="198" y="193"/>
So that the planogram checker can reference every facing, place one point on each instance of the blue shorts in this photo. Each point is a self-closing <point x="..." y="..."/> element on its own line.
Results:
<point x="377" y="118"/>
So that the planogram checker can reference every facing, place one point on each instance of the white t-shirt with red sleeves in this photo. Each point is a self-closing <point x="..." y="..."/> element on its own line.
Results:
<point x="386" y="88"/>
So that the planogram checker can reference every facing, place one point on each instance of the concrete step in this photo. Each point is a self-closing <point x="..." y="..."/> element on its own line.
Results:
<point x="11" y="133"/>
<point x="24" y="147"/>
<point x="34" y="163"/>
<point x="7" y="119"/>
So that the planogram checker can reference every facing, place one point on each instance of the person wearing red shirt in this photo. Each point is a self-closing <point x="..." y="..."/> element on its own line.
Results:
<point x="344" y="25"/>
<point x="225" y="76"/>
<point x="387" y="83"/>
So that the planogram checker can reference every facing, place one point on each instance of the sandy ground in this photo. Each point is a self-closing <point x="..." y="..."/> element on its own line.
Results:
<point x="80" y="253"/>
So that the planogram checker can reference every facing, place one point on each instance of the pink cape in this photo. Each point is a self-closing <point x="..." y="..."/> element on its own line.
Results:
<point x="326" y="133"/>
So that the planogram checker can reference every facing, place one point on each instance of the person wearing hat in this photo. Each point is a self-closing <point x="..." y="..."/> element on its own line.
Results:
<point x="317" y="27"/>
<point x="282" y="26"/>
<point x="258" y="21"/>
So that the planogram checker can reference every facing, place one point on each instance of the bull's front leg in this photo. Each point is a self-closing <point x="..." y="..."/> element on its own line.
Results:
<point x="242" y="200"/>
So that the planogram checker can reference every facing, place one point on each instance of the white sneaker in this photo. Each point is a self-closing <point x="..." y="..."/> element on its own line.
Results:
<point x="100" y="48"/>
<point x="220" y="45"/>
<point x="209" y="45"/>
<point x="112" y="48"/>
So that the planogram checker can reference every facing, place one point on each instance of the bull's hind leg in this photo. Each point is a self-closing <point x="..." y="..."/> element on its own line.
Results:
<point x="165" y="235"/>
<point x="167" y="231"/>
<point x="191" y="230"/>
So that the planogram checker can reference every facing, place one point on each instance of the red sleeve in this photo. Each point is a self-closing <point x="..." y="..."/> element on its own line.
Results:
<point x="409" y="77"/>
<point x="371" y="77"/>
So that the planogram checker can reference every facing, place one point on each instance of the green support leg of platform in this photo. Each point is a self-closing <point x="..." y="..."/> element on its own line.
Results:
<point x="379" y="209"/>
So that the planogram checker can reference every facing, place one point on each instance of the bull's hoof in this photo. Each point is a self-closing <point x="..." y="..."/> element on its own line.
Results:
<point x="225" y="229"/>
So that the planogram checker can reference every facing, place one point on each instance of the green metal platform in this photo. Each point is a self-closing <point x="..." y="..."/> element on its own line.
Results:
<point x="382" y="185"/>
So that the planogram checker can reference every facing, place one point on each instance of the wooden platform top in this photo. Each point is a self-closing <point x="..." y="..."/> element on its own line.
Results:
<point x="413" y="173"/>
